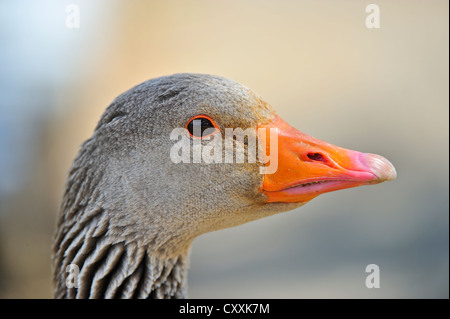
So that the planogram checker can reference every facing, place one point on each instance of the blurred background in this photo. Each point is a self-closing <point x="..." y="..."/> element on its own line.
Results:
<point x="381" y="91"/>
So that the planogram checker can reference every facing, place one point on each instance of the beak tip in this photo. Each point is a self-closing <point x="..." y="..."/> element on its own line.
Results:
<point x="381" y="167"/>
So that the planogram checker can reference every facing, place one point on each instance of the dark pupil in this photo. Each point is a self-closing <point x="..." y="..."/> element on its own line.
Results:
<point x="200" y="127"/>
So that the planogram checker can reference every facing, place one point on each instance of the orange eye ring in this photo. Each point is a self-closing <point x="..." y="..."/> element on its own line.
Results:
<point x="207" y="122"/>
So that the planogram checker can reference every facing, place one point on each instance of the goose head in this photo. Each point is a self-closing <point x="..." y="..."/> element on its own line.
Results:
<point x="176" y="157"/>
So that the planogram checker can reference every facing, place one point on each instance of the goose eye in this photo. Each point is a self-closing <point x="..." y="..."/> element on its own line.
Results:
<point x="201" y="126"/>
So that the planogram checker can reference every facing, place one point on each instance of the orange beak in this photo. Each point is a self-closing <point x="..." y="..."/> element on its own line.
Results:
<point x="308" y="167"/>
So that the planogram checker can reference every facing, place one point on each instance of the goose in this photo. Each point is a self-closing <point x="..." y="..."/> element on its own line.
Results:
<point x="132" y="205"/>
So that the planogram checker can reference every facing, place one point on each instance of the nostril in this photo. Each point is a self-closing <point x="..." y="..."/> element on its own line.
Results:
<point x="317" y="157"/>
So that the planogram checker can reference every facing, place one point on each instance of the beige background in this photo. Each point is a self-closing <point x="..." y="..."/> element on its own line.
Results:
<point x="381" y="90"/>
